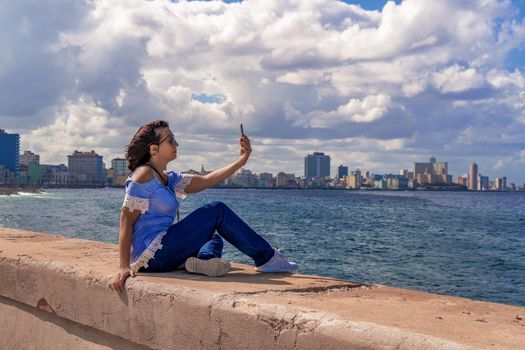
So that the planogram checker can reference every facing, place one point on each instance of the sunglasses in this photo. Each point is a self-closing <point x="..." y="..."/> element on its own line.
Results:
<point x="171" y="139"/>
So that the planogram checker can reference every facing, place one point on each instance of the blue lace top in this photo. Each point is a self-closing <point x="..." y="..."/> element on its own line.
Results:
<point x="158" y="206"/>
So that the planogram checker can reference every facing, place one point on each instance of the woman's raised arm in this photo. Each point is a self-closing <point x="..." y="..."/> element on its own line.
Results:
<point x="199" y="182"/>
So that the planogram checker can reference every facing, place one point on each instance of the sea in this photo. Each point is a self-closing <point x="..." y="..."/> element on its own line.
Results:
<point x="468" y="244"/>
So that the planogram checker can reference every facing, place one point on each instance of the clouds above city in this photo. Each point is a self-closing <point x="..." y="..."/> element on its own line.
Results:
<point x="375" y="89"/>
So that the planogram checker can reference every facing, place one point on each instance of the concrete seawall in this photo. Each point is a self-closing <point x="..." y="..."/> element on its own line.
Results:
<point x="55" y="294"/>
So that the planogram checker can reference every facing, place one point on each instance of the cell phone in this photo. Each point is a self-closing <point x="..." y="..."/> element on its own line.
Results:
<point x="242" y="130"/>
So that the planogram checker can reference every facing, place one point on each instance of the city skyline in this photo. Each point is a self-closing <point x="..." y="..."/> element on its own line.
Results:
<point x="436" y="168"/>
<point x="377" y="85"/>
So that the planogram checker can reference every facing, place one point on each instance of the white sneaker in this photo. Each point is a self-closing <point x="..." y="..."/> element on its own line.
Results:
<point x="277" y="263"/>
<point x="214" y="267"/>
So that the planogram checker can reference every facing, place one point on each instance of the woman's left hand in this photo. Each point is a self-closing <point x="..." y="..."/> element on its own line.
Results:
<point x="246" y="149"/>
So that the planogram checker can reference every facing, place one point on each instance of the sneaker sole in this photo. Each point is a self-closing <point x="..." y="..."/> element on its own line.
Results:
<point x="276" y="270"/>
<point x="215" y="267"/>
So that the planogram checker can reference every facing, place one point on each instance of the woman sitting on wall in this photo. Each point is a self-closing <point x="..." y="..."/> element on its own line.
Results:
<point x="150" y="241"/>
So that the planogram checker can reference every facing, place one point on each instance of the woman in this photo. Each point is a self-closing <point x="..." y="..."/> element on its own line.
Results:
<point x="149" y="241"/>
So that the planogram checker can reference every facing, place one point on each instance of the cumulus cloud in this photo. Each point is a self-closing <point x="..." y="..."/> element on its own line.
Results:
<point x="457" y="79"/>
<point x="409" y="80"/>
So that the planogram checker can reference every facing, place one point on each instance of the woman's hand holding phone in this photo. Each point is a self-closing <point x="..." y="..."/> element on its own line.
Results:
<point x="246" y="148"/>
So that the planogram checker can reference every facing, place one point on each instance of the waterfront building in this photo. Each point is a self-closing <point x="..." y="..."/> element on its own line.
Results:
<point x="483" y="183"/>
<point x="316" y="165"/>
<point x="86" y="168"/>
<point x="54" y="175"/>
<point x="120" y="167"/>
<point x="432" y="172"/>
<point x="59" y="177"/>
<point x="354" y="180"/>
<point x="286" y="180"/>
<point x="501" y="183"/>
<point x="380" y="184"/>
<point x="190" y="172"/>
<point x="266" y="180"/>
<point x="342" y="171"/>
<point x="244" y="178"/>
<point x="473" y="177"/>
<point x="406" y="174"/>
<point x="29" y="157"/>
<point x="461" y="180"/>
<point x="396" y="182"/>
<point x="204" y="171"/>
<point x="7" y="177"/>
<point x="9" y="152"/>
<point x="119" y="172"/>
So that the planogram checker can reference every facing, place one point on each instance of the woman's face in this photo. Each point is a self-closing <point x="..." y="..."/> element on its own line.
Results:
<point x="168" y="146"/>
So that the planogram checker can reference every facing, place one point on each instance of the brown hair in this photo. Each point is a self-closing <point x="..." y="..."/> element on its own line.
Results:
<point x="137" y="151"/>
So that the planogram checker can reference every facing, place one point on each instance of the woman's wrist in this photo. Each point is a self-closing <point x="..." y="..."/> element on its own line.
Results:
<point x="240" y="163"/>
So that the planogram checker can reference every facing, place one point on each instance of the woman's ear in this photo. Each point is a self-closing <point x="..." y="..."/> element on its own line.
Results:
<point x="153" y="149"/>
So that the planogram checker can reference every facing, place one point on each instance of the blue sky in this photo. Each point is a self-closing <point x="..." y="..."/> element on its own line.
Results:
<point x="376" y="85"/>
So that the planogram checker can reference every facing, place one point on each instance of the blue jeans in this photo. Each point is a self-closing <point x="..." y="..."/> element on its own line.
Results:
<point x="195" y="236"/>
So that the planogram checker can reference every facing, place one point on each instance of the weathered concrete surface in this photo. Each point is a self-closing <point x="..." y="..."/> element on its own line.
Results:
<point x="59" y="286"/>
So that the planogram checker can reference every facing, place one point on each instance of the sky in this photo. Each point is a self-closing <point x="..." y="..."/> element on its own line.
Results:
<point x="377" y="85"/>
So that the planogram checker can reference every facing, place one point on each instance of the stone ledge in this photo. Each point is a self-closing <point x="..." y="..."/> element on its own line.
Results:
<point x="68" y="279"/>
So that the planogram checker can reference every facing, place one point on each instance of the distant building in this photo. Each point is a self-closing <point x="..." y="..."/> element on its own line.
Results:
<point x="86" y="168"/>
<point x="396" y="182"/>
<point x="190" y="172"/>
<point x="7" y="177"/>
<point x="432" y="172"/>
<point x="342" y="171"/>
<point x="354" y="180"/>
<point x="380" y="184"/>
<point x="266" y="180"/>
<point x="29" y="157"/>
<point x="120" y="167"/>
<point x="483" y="183"/>
<point x="461" y="180"/>
<point x="60" y="175"/>
<point x="501" y="183"/>
<point x="286" y="180"/>
<point x="473" y="177"/>
<point x="9" y="152"/>
<point x="244" y="178"/>
<point x="204" y="171"/>
<point x="54" y="175"/>
<point x="407" y="174"/>
<point x="316" y="165"/>
<point x="119" y="172"/>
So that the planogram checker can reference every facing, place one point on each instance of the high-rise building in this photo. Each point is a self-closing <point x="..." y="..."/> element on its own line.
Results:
<point x="29" y="157"/>
<point x="342" y="171"/>
<point x="501" y="183"/>
<point x="483" y="183"/>
<point x="473" y="177"/>
<point x="86" y="168"/>
<point x="9" y="152"/>
<point x="316" y="165"/>
<point x="432" y="172"/>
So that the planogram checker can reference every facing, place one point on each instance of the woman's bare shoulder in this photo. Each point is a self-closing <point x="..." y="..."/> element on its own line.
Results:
<point x="142" y="174"/>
